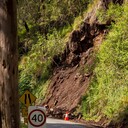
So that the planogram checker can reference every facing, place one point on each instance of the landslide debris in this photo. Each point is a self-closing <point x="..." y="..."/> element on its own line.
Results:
<point x="74" y="68"/>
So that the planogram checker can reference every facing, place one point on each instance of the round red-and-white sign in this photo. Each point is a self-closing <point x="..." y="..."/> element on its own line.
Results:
<point x="37" y="118"/>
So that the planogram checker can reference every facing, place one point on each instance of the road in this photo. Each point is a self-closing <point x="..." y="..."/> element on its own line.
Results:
<point x="56" y="123"/>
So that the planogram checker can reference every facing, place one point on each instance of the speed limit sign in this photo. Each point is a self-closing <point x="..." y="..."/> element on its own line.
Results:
<point x="36" y="117"/>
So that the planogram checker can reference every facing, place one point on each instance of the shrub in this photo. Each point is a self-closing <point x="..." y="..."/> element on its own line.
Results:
<point x="109" y="86"/>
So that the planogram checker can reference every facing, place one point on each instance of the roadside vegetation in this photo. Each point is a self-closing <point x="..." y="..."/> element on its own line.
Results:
<point x="43" y="30"/>
<point x="23" y="126"/>
<point x="107" y="96"/>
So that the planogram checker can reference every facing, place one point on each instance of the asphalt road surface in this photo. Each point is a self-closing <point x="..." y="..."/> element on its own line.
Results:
<point x="55" y="123"/>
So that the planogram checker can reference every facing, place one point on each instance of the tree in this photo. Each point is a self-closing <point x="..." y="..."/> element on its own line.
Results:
<point x="9" y="106"/>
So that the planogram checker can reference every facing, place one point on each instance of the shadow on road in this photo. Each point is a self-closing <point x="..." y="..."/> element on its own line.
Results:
<point x="65" y="126"/>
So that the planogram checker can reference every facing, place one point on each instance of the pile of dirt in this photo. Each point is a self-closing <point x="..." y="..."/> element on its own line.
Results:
<point x="71" y="79"/>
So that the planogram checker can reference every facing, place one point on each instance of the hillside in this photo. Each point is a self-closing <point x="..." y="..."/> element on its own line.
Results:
<point x="81" y="67"/>
<point x="71" y="78"/>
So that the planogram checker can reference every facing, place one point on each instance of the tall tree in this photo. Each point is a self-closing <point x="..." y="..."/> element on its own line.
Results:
<point x="9" y="107"/>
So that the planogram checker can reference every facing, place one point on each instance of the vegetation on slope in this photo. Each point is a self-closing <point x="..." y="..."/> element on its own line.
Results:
<point x="108" y="94"/>
<point x="43" y="28"/>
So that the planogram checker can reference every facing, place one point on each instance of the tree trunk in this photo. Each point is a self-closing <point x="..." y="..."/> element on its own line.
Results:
<point x="9" y="99"/>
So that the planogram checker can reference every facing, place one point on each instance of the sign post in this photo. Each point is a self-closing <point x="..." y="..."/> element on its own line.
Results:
<point x="36" y="117"/>
<point x="24" y="112"/>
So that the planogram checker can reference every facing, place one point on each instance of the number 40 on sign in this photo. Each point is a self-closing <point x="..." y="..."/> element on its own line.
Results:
<point x="36" y="117"/>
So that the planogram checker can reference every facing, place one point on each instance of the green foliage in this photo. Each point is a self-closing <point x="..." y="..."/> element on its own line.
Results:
<point x="40" y="92"/>
<point x="43" y="30"/>
<point x="113" y="13"/>
<point x="45" y="15"/>
<point x="23" y="125"/>
<point x="35" y="67"/>
<point x="109" y="87"/>
<point x="77" y="22"/>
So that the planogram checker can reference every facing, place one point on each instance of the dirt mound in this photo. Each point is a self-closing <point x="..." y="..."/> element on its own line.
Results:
<point x="71" y="79"/>
<point x="66" y="88"/>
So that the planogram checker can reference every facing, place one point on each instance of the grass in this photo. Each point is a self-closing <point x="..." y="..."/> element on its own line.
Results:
<point x="108" y="91"/>
<point x="23" y="125"/>
<point x="40" y="92"/>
